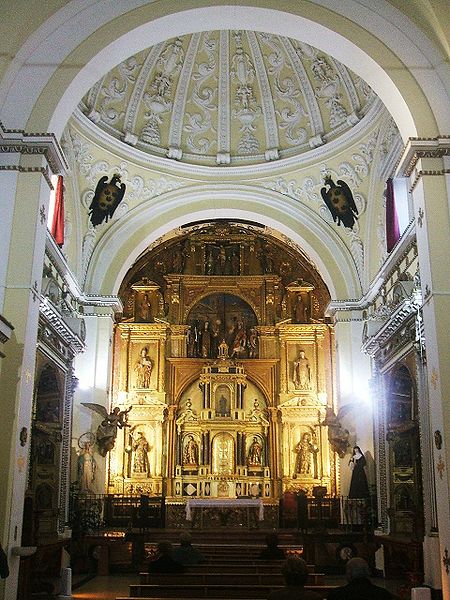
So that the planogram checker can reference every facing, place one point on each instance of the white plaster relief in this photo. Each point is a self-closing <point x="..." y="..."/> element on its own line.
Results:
<point x="116" y="89"/>
<point x="268" y="107"/>
<point x="176" y="124"/>
<point x="284" y="86"/>
<point x="141" y="82"/>
<point x="203" y="96"/>
<point x="246" y="110"/>
<point x="224" y="117"/>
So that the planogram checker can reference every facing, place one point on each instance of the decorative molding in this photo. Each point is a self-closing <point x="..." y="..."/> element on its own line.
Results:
<point x="18" y="141"/>
<point x="42" y="170"/>
<point x="392" y="262"/>
<point x="397" y="319"/>
<point x="417" y="148"/>
<point x="285" y="162"/>
<point x="420" y="174"/>
<point x="53" y="317"/>
<point x="64" y="481"/>
<point x="6" y="329"/>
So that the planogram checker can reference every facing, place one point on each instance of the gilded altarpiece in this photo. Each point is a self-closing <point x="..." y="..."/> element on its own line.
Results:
<point x="224" y="355"/>
<point x="136" y="462"/>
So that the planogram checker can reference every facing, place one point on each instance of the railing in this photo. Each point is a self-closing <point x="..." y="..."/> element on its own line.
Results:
<point x="338" y="512"/>
<point x="91" y="513"/>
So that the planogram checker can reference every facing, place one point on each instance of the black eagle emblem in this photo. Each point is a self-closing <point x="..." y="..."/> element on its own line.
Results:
<point x="106" y="199"/>
<point x="339" y="200"/>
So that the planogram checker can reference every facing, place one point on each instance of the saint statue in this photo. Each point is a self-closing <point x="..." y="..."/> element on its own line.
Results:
<point x="141" y="448"/>
<point x="145" y="309"/>
<point x="306" y="456"/>
<point x="143" y="368"/>
<point x="87" y="468"/>
<point x="302" y="372"/>
<point x="254" y="453"/>
<point x="190" y="454"/>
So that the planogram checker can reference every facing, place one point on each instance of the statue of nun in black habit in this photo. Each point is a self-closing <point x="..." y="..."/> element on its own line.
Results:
<point x="359" y="488"/>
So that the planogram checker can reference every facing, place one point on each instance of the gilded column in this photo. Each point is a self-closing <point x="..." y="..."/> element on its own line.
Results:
<point x="170" y="449"/>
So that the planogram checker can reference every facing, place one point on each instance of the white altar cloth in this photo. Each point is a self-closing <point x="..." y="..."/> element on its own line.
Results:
<point x="224" y="503"/>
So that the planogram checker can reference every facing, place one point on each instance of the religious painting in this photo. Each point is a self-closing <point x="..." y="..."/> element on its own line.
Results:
<point x="222" y="401"/>
<point x="221" y="317"/>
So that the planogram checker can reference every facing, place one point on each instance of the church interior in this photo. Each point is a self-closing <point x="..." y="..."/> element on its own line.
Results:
<point x="224" y="289"/>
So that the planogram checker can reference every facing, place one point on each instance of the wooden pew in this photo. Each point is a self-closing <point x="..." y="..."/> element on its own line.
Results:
<point x="213" y="591"/>
<point x="208" y="578"/>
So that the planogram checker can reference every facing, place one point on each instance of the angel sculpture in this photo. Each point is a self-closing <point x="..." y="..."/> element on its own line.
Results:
<point x="337" y="435"/>
<point x="107" y="430"/>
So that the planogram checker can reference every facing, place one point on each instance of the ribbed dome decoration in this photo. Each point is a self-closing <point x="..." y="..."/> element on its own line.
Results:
<point x="228" y="97"/>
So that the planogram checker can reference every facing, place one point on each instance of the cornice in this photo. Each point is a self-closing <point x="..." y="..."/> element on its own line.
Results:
<point x="58" y="324"/>
<point x="58" y="260"/>
<point x="388" y="267"/>
<point x="396" y="320"/>
<point x="19" y="142"/>
<point x="417" y="148"/>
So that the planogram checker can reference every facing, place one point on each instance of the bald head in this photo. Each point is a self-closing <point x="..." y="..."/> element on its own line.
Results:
<point x="357" y="567"/>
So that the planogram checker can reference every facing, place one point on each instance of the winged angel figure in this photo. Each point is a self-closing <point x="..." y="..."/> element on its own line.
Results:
<point x="107" y="430"/>
<point x="337" y="435"/>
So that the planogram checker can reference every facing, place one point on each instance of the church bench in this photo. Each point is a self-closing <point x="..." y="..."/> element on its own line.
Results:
<point x="213" y="591"/>
<point x="206" y="577"/>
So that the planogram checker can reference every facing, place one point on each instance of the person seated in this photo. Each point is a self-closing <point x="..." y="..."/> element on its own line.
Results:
<point x="272" y="552"/>
<point x="357" y="572"/>
<point x="165" y="563"/>
<point x="295" y="574"/>
<point x="186" y="554"/>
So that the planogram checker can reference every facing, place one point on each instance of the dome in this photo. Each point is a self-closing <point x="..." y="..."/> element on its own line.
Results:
<point x="228" y="98"/>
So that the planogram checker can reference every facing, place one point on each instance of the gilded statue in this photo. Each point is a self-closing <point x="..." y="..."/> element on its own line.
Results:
<point x="143" y="369"/>
<point x="254" y="455"/>
<point x="190" y="454"/>
<point x="302" y="372"/>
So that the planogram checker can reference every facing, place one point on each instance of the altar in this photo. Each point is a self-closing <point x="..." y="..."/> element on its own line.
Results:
<point x="221" y="512"/>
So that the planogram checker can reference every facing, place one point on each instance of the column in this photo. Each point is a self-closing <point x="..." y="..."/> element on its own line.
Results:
<point x="25" y="185"/>
<point x="170" y="448"/>
<point x="424" y="164"/>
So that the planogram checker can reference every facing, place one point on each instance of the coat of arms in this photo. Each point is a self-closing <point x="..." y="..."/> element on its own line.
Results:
<point x="339" y="200"/>
<point x="106" y="199"/>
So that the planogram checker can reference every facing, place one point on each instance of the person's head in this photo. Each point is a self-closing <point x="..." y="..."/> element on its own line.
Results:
<point x="356" y="450"/>
<point x="295" y="571"/>
<point x="357" y="568"/>
<point x="185" y="539"/>
<point x="165" y="549"/>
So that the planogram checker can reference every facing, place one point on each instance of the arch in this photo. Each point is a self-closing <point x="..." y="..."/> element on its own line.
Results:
<point x="394" y="56"/>
<point x="123" y="243"/>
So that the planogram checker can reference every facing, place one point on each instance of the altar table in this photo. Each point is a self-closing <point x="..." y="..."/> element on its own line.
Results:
<point x="225" y="503"/>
